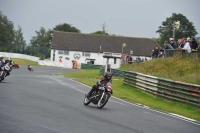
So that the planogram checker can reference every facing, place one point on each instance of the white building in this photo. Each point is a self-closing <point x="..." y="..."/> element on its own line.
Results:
<point x="90" y="48"/>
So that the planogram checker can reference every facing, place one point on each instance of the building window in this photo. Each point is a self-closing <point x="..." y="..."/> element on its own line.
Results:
<point x="86" y="54"/>
<point x="60" y="52"/>
<point x="66" y="52"/>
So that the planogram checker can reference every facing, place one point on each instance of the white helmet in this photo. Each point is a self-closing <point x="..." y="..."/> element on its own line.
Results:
<point x="1" y="57"/>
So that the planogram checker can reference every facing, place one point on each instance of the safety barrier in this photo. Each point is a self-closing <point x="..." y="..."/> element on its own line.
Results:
<point x="168" y="89"/>
<point x="115" y="72"/>
<point x="90" y="66"/>
<point x="21" y="56"/>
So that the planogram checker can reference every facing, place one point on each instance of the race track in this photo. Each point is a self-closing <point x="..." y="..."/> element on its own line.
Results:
<point x="40" y="102"/>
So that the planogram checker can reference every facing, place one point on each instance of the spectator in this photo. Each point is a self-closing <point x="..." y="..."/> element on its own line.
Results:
<point x="176" y="44"/>
<point x="130" y="59"/>
<point x="155" y="53"/>
<point x="167" y="46"/>
<point x="168" y="49"/>
<point x="139" y="59"/>
<point x="187" y="46"/>
<point x="172" y="43"/>
<point x="125" y="58"/>
<point x="180" y="43"/>
<point x="194" y="44"/>
<point x="198" y="49"/>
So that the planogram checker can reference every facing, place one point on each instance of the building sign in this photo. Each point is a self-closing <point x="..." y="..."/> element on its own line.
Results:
<point x="77" y="56"/>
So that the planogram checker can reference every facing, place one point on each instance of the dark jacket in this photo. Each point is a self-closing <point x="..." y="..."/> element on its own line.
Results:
<point x="168" y="46"/>
<point x="155" y="52"/>
<point x="194" y="45"/>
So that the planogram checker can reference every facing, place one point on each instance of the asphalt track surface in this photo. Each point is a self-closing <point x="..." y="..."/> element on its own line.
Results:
<point x="39" y="102"/>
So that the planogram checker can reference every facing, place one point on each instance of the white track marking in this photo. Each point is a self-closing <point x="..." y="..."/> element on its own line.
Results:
<point x="148" y="108"/>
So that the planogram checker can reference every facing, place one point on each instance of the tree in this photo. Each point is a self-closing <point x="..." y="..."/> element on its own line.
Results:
<point x="18" y="44"/>
<point x="42" y="38"/>
<point x="40" y="44"/>
<point x="100" y="33"/>
<point x="6" y="33"/>
<point x="103" y="32"/>
<point x="185" y="30"/>
<point x="66" y="28"/>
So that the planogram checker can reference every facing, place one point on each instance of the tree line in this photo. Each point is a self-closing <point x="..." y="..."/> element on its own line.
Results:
<point x="12" y="40"/>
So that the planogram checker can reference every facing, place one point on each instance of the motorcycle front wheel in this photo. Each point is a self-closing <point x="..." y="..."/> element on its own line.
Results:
<point x="86" y="101"/>
<point x="102" y="102"/>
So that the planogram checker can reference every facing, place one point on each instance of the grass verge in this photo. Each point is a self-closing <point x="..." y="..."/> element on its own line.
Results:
<point x="25" y="62"/>
<point x="175" y="68"/>
<point x="125" y="92"/>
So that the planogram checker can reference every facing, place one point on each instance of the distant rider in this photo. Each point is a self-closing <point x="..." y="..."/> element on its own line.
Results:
<point x="29" y="67"/>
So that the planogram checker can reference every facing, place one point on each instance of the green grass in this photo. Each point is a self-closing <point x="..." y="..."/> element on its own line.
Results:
<point x="179" y="69"/>
<point x="86" y="74"/>
<point x="23" y="62"/>
<point x="122" y="91"/>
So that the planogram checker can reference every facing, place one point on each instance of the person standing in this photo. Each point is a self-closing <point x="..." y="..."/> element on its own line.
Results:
<point x="194" y="44"/>
<point x="198" y="49"/>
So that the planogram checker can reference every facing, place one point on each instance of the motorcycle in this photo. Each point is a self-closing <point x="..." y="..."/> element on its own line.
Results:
<point x="99" y="97"/>
<point x="30" y="69"/>
<point x="4" y="71"/>
<point x="15" y="65"/>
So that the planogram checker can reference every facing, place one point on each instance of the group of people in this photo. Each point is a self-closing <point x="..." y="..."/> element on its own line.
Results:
<point x="185" y="45"/>
<point x="129" y="59"/>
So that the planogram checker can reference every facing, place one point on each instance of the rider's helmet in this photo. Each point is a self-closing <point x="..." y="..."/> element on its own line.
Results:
<point x="1" y="57"/>
<point x="10" y="59"/>
<point x="108" y="76"/>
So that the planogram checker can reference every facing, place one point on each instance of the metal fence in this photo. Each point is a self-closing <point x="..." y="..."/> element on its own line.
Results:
<point x="90" y="66"/>
<point x="168" y="89"/>
<point x="115" y="72"/>
<point x="181" y="54"/>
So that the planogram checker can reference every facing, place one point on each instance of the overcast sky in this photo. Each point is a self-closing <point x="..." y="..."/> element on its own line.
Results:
<point x="134" y="18"/>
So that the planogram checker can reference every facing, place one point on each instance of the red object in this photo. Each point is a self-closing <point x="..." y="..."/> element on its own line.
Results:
<point x="16" y="65"/>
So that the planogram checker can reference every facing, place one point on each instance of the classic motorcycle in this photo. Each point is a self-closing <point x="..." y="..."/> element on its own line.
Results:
<point x="30" y="69"/>
<point x="4" y="71"/>
<point x="99" y="97"/>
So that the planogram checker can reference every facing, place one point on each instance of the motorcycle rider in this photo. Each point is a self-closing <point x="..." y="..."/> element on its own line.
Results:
<point x="29" y="67"/>
<point x="1" y="61"/>
<point x="102" y="81"/>
<point x="9" y="60"/>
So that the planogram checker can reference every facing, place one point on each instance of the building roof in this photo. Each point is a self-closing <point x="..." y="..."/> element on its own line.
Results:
<point x="102" y="43"/>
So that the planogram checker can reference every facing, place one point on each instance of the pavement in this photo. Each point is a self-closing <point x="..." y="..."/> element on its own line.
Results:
<point x="40" y="102"/>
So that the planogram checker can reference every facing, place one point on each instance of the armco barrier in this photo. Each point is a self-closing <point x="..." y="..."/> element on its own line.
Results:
<point x="173" y="90"/>
<point x="144" y="82"/>
<point x="21" y="56"/>
<point x="115" y="72"/>
<point x="90" y="66"/>
<point x="179" y="91"/>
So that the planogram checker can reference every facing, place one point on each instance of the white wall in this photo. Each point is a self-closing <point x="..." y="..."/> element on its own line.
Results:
<point x="21" y="56"/>
<point x="98" y="56"/>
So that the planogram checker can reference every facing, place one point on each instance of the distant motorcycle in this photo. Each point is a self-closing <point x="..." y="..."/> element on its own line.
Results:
<point x="15" y="65"/>
<point x="99" y="97"/>
<point x="30" y="69"/>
